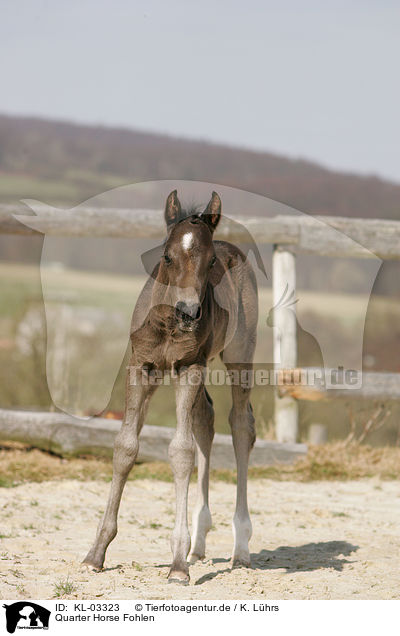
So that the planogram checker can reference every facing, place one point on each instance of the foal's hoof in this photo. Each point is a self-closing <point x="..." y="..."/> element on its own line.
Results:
<point x="193" y="558"/>
<point x="89" y="566"/>
<point x="240" y="562"/>
<point x="176" y="576"/>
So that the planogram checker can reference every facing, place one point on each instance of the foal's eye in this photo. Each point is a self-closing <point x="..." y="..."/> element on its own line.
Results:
<point x="213" y="261"/>
<point x="167" y="259"/>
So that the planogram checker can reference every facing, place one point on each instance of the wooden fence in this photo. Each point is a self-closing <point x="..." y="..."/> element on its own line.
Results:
<point x="353" y="238"/>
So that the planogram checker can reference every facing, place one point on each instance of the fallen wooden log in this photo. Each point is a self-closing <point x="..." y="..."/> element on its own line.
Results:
<point x="67" y="435"/>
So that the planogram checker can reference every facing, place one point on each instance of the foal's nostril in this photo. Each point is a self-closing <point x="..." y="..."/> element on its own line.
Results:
<point x="180" y="307"/>
<point x="188" y="311"/>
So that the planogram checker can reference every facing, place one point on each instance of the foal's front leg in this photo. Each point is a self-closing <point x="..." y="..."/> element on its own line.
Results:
<point x="181" y="454"/>
<point x="203" y="430"/>
<point x="126" y="448"/>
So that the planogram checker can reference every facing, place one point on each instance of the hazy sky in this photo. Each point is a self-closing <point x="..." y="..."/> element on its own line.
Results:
<point x="301" y="78"/>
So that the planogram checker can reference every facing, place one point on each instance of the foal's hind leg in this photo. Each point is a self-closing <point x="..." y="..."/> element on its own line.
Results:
<point x="126" y="448"/>
<point x="203" y="430"/>
<point x="243" y="435"/>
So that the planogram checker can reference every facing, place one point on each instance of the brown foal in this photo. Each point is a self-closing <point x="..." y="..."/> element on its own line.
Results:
<point x="200" y="301"/>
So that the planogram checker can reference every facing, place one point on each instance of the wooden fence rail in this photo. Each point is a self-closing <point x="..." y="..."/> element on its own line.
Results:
<point x="375" y="386"/>
<point x="353" y="238"/>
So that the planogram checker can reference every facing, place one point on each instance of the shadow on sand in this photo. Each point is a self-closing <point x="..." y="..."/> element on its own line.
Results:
<point x="303" y="558"/>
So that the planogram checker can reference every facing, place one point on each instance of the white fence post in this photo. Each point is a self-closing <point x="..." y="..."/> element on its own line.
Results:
<point x="285" y="340"/>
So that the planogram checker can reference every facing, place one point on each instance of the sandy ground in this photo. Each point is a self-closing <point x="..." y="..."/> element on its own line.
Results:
<point x="319" y="540"/>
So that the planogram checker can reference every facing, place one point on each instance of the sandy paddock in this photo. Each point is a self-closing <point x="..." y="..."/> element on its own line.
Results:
<point x="316" y="540"/>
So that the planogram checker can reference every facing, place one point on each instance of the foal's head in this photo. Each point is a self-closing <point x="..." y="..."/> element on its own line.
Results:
<point x="189" y="256"/>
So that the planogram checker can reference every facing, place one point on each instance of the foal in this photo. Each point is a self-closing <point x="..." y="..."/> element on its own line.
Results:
<point x="200" y="301"/>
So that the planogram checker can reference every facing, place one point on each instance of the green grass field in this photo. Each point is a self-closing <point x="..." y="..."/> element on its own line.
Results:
<point x="23" y="377"/>
<point x="73" y="187"/>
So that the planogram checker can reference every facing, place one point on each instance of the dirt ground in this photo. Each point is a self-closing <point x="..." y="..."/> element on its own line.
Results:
<point x="318" y="540"/>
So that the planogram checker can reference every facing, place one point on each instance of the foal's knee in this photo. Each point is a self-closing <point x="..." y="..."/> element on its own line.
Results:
<point x="242" y="422"/>
<point x="126" y="448"/>
<point x="181" y="455"/>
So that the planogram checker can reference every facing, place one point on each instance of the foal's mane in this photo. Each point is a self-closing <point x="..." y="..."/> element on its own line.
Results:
<point x="192" y="209"/>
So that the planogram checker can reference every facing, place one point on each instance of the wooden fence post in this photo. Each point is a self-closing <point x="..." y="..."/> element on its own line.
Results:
<point x="285" y="340"/>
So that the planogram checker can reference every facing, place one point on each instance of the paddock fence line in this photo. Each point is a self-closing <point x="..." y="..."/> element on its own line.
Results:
<point x="289" y="234"/>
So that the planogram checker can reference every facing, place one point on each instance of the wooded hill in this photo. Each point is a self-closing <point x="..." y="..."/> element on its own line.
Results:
<point x="68" y="163"/>
<point x="65" y="164"/>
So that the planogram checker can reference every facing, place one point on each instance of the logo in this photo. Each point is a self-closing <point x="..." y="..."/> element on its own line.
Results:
<point x="26" y="615"/>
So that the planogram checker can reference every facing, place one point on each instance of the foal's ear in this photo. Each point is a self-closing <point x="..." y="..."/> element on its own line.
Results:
<point x="212" y="213"/>
<point x="172" y="209"/>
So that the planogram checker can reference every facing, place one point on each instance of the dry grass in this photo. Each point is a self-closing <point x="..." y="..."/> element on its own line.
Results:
<point x="19" y="464"/>
<point x="337" y="461"/>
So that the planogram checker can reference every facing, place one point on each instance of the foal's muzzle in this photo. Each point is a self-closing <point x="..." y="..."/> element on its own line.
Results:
<point x="187" y="313"/>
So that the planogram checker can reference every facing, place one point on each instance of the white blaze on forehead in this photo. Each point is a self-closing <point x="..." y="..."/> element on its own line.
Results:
<point x="187" y="240"/>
